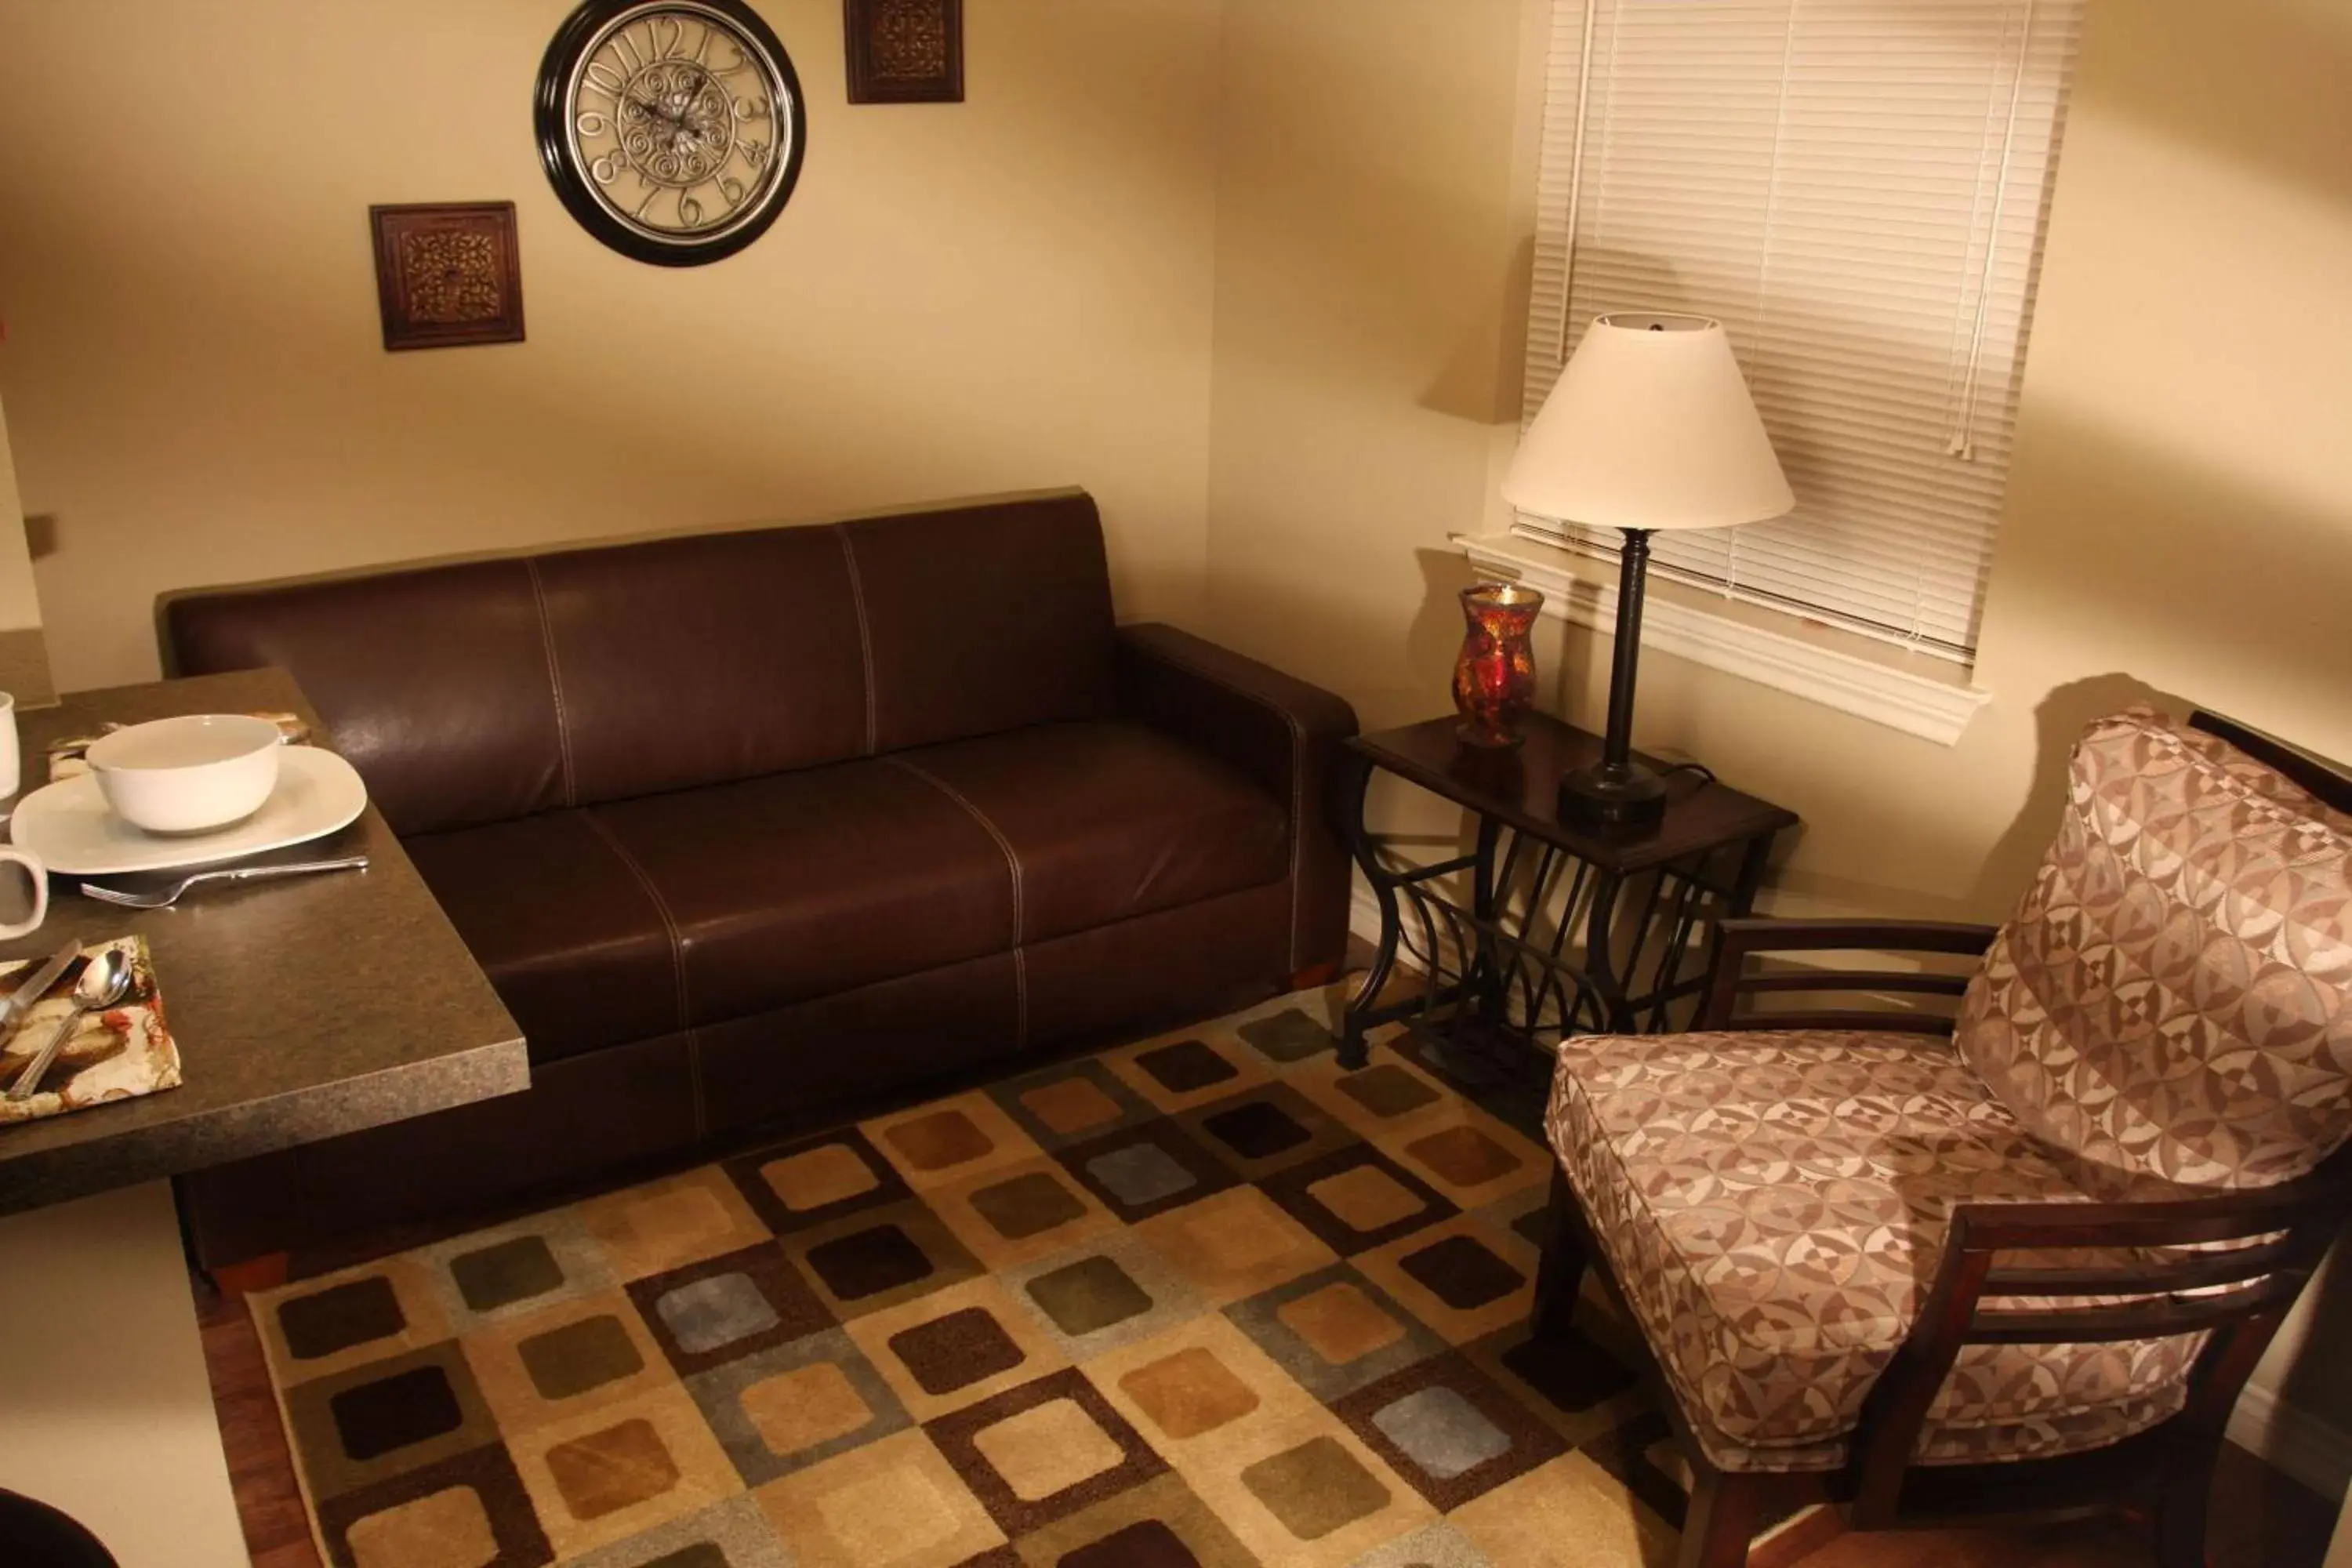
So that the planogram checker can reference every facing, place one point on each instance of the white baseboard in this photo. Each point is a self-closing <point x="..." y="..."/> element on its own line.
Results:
<point x="2293" y="1441"/>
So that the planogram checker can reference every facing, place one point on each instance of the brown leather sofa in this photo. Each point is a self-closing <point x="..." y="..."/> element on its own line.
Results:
<point x="742" y="825"/>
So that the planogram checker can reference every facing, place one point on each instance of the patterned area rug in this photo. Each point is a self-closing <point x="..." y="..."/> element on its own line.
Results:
<point x="1206" y="1300"/>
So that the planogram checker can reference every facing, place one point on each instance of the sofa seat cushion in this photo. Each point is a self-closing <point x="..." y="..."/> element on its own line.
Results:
<point x="637" y="918"/>
<point x="567" y="934"/>
<point x="1774" y="1206"/>
<point x="1106" y="820"/>
<point x="802" y="884"/>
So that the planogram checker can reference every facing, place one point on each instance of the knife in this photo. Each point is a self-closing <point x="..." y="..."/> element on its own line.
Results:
<point x="20" y="1001"/>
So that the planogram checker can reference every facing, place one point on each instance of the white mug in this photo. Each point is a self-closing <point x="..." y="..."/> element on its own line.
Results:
<point x="12" y="772"/>
<point x="12" y="856"/>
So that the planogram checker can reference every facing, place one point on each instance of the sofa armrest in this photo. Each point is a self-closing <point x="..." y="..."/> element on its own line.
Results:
<point x="1278" y="730"/>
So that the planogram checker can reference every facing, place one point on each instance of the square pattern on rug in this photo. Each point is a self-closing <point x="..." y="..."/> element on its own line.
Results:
<point x="1201" y="1301"/>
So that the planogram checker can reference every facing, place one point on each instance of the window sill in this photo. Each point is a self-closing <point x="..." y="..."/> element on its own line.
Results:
<point x="1910" y="692"/>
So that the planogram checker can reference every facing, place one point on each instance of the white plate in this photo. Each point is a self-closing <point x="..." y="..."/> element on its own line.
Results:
<point x="67" y="823"/>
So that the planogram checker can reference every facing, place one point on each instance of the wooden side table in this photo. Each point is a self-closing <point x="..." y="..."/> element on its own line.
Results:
<point x="1495" y="926"/>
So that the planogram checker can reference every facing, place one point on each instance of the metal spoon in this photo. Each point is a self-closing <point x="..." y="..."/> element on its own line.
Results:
<point x="103" y="984"/>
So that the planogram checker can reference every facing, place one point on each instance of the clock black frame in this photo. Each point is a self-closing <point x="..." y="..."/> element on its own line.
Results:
<point x="573" y="184"/>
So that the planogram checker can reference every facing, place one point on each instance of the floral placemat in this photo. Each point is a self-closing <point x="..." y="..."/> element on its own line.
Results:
<point x="124" y="1051"/>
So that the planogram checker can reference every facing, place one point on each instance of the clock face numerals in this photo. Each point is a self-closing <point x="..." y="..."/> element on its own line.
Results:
<point x="678" y="125"/>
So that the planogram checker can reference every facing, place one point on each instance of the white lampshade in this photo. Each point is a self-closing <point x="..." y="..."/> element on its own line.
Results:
<point x="1650" y="426"/>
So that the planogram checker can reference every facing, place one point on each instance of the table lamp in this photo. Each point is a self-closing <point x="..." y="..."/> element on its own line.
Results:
<point x="1649" y="427"/>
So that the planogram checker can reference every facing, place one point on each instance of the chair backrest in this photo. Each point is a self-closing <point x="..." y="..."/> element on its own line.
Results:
<point x="2174" y="995"/>
<point x="490" y="689"/>
<point x="2321" y="781"/>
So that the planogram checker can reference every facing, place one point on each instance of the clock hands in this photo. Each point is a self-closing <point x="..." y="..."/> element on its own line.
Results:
<point x="684" y="141"/>
<point x="652" y="109"/>
<point x="685" y="138"/>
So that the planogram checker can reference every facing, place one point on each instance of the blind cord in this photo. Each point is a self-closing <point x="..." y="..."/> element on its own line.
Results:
<point x="1963" y="444"/>
<point x="1764" y="252"/>
<point x="1575" y="188"/>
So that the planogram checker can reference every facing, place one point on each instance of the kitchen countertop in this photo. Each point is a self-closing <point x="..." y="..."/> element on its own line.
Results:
<point x="301" y="1009"/>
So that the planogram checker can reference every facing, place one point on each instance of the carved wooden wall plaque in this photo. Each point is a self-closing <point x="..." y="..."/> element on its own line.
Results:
<point x="447" y="274"/>
<point x="905" y="51"/>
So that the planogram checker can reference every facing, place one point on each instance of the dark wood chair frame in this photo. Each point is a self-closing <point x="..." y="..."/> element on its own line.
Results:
<point x="2271" y="1239"/>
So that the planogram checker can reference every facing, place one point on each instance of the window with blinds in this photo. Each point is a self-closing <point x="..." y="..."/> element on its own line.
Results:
<point x="1856" y="189"/>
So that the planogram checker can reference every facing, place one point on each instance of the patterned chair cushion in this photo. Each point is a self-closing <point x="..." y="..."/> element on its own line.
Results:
<point x="2174" y="995"/>
<point x="1774" y="1206"/>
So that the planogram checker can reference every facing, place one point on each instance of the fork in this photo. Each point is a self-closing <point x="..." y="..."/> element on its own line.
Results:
<point x="164" y="897"/>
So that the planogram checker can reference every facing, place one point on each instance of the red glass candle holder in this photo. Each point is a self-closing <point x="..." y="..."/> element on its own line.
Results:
<point x="1494" y="676"/>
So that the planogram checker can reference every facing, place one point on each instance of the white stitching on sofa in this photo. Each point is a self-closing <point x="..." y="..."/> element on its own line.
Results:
<point x="1297" y="776"/>
<point x="1020" y="997"/>
<point x="555" y="682"/>
<point x="1012" y="860"/>
<point x="864" y="636"/>
<point x="677" y="963"/>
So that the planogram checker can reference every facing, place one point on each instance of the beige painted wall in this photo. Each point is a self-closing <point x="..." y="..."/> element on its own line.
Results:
<point x="1019" y="293"/>
<point x="1009" y="295"/>
<point x="20" y="606"/>
<point x="2180" y="511"/>
<point x="24" y="655"/>
<point x="1365" y="189"/>
<point x="128" y="1443"/>
<point x="1369" y="243"/>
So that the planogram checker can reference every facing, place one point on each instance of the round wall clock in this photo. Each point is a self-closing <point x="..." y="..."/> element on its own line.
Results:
<point x="672" y="129"/>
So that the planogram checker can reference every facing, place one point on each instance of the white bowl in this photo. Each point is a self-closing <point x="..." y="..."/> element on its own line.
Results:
<point x="192" y="774"/>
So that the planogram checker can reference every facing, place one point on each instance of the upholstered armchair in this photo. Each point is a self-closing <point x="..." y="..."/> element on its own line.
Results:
<point x="2016" y="1262"/>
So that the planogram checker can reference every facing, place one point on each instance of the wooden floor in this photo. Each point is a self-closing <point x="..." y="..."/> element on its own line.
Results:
<point x="2260" y="1520"/>
<point x="260" y="1470"/>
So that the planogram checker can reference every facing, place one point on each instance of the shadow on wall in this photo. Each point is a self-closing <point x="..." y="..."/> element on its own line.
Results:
<point x="1434" y="638"/>
<point x="2126" y="572"/>
<point x="2320" y="1382"/>
<point x="2271" y="95"/>
<point x="2119" y="553"/>
<point x="2059" y="720"/>
<point x="1484" y="377"/>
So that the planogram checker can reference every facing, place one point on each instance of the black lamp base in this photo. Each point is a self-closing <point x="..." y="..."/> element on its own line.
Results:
<point x="1617" y="791"/>
<point x="1612" y="795"/>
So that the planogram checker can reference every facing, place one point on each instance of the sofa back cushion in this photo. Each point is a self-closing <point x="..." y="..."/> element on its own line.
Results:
<point x="2174" y="995"/>
<point x="985" y="620"/>
<point x="700" y="659"/>
<point x="434" y="682"/>
<point x="486" y="690"/>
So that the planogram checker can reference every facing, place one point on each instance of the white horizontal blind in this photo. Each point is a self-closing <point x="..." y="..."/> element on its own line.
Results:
<point x="1856" y="189"/>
